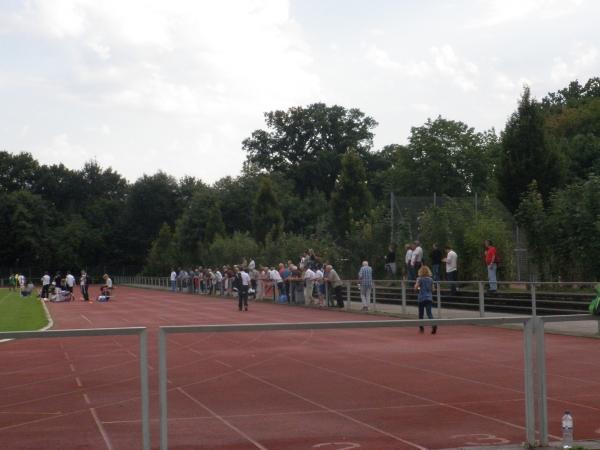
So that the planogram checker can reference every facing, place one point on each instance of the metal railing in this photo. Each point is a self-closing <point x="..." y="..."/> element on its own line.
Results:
<point x="141" y="331"/>
<point x="533" y="353"/>
<point x="532" y="298"/>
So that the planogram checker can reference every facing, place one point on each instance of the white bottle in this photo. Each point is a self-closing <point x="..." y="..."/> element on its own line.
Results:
<point x="567" y="430"/>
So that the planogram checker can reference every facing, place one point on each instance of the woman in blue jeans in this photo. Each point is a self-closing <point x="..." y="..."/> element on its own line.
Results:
<point x="424" y="286"/>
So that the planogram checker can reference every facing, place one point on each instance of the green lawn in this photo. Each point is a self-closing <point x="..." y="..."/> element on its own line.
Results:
<point x="20" y="313"/>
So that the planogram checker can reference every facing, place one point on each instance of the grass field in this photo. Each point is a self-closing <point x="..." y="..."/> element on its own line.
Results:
<point x="20" y="313"/>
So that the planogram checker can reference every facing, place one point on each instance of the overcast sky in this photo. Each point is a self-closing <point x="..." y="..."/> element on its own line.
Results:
<point x="177" y="85"/>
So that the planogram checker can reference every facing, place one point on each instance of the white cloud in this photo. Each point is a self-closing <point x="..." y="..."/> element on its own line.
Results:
<point x="583" y="59"/>
<point x="197" y="64"/>
<point x="501" y="12"/>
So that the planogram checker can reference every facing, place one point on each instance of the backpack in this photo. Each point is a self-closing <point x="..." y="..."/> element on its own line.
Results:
<point x="594" y="307"/>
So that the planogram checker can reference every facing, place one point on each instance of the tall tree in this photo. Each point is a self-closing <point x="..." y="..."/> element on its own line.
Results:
<point x="266" y="217"/>
<point x="527" y="153"/>
<point x="161" y="258"/>
<point x="306" y="144"/>
<point x="351" y="199"/>
<point x="444" y="156"/>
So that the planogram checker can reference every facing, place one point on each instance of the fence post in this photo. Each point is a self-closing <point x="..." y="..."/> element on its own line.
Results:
<point x="533" y="301"/>
<point x="439" y="300"/>
<point x="481" y="299"/>
<point x="374" y="297"/>
<point x="528" y="331"/>
<point x="540" y="352"/>
<point x="348" y="300"/>
<point x="403" y="285"/>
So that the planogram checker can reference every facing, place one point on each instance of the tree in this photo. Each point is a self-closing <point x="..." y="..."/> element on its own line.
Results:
<point x="532" y="217"/>
<point x="527" y="153"/>
<point x="161" y="258"/>
<point x="306" y="144"/>
<point x="351" y="199"/>
<point x="266" y="217"/>
<point x="152" y="201"/>
<point x="446" y="157"/>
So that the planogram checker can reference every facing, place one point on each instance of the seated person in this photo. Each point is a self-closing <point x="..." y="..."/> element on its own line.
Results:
<point x="104" y="294"/>
<point x="108" y="284"/>
<point x="27" y="290"/>
<point x="60" y="295"/>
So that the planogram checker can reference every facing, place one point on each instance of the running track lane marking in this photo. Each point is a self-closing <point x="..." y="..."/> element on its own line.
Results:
<point x="88" y="320"/>
<point x="345" y="416"/>
<point x="435" y="402"/>
<point x="79" y="383"/>
<point x="102" y="430"/>
<point x="225" y="422"/>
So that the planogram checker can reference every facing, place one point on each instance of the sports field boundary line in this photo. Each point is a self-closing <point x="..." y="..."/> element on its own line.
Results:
<point x="49" y="325"/>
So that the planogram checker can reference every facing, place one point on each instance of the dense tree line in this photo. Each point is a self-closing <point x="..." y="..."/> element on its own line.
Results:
<point x="313" y="179"/>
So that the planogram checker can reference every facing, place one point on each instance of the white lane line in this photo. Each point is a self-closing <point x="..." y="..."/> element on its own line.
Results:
<point x="101" y="429"/>
<point x="87" y="399"/>
<point x="383" y="386"/>
<point x="333" y="411"/>
<point x="72" y="367"/>
<point x="85" y="318"/>
<point x="79" y="383"/>
<point x="224" y="421"/>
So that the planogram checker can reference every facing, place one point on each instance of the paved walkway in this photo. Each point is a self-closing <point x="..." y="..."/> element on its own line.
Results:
<point x="581" y="328"/>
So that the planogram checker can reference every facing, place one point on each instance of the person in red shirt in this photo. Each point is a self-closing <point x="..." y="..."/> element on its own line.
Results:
<point x="492" y="266"/>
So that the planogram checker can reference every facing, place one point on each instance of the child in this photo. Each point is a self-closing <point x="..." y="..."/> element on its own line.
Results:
<point x="424" y="286"/>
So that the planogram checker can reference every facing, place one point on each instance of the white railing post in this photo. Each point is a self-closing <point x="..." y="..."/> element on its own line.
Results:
<point x="481" y="299"/>
<point x="403" y="286"/>
<point x="528" y="331"/>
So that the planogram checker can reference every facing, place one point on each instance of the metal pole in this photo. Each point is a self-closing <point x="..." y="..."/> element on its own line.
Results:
<point x="540" y="352"/>
<point x="533" y="301"/>
<point x="348" y="300"/>
<point x="391" y="217"/>
<point x="403" y="285"/>
<point x="528" y="382"/>
<point x="162" y="386"/>
<point x="374" y="298"/>
<point x="145" y="390"/>
<point x="481" y="299"/>
<point x="439" y="300"/>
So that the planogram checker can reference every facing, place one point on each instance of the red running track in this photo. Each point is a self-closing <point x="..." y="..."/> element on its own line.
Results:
<point x="373" y="389"/>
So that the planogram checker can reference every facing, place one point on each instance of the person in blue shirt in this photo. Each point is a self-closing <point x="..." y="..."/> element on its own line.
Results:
<point x="424" y="287"/>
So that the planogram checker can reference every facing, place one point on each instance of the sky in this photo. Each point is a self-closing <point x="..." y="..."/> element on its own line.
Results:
<point x="146" y="85"/>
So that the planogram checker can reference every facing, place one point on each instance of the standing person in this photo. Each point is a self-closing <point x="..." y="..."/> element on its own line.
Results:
<point x="320" y="282"/>
<point x="243" y="286"/>
<point x="108" y="284"/>
<point x="407" y="260"/>
<point x="365" y="278"/>
<point x="45" y="285"/>
<point x="490" y="261"/>
<point x="309" y="283"/>
<point x="70" y="281"/>
<point x="436" y="262"/>
<point x="173" y="280"/>
<point x="424" y="286"/>
<point x="21" y="278"/>
<point x="451" y="261"/>
<point x="336" y="283"/>
<point x="390" y="260"/>
<point x="58" y="279"/>
<point x="84" y="283"/>
<point x="416" y="260"/>
<point x="12" y="282"/>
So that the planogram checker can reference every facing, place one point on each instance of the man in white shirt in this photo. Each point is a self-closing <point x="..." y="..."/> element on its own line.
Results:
<point x="309" y="283"/>
<point x="416" y="260"/>
<point x="173" y="279"/>
<point x="71" y="282"/>
<point x="45" y="286"/>
<point x="407" y="260"/>
<point x="243" y="292"/>
<point x="451" y="268"/>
